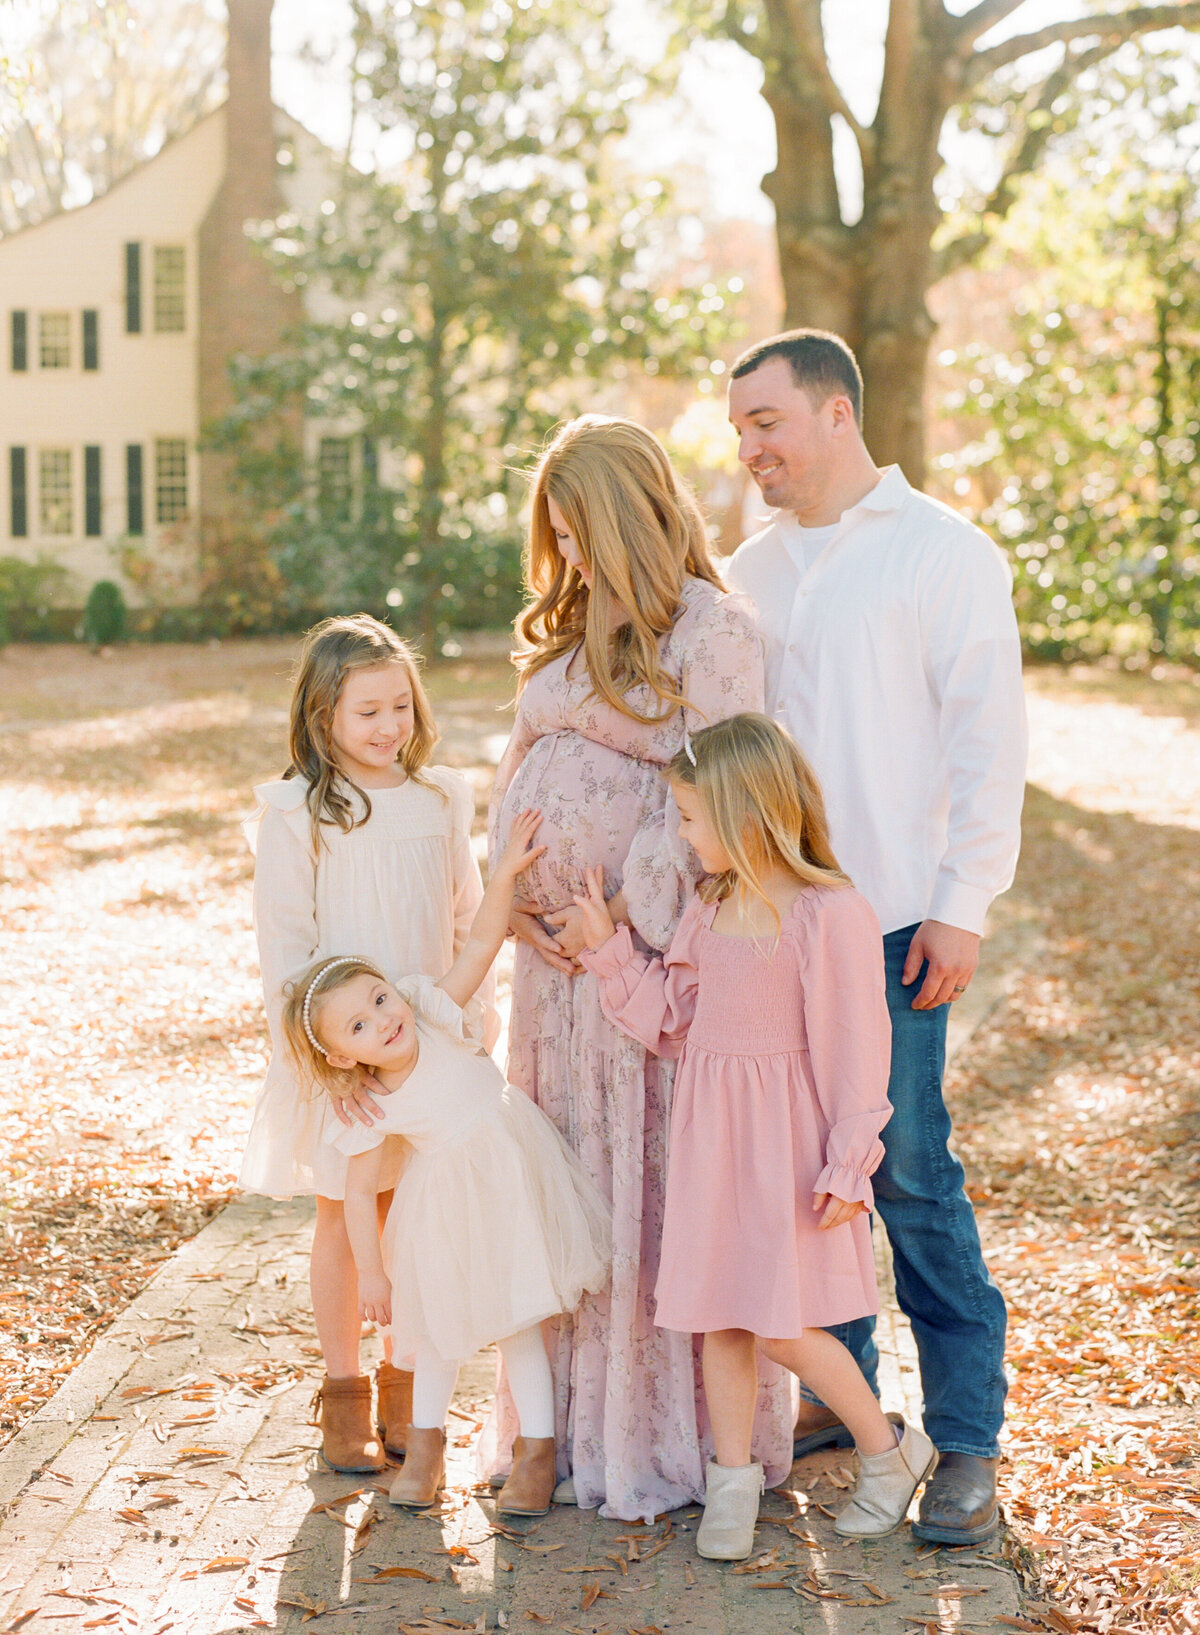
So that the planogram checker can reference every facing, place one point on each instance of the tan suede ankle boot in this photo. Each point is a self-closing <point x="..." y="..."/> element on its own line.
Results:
<point x="393" y="1406"/>
<point x="530" y="1488"/>
<point x="348" y="1440"/>
<point x="420" y="1480"/>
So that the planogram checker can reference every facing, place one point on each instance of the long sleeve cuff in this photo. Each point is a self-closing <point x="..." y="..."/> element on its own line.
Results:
<point x="610" y="958"/>
<point x="959" y="905"/>
<point x="840" y="1181"/>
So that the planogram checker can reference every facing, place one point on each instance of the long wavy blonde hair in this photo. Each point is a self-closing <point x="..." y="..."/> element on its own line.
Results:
<point x="763" y="802"/>
<point x="640" y="532"/>
<point x="332" y="650"/>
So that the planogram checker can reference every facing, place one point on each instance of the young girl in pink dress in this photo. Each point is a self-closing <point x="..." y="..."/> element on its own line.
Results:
<point x="361" y="844"/>
<point x="771" y="995"/>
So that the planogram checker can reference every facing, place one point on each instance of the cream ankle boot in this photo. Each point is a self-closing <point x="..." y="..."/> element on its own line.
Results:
<point x="886" y="1484"/>
<point x="731" y="1495"/>
<point x="420" y="1478"/>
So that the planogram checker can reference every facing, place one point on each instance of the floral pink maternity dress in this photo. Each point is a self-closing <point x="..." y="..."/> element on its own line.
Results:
<point x="629" y="1426"/>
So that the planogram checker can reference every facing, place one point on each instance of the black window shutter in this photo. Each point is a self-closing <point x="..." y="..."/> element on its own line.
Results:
<point x="133" y="289"/>
<point x="91" y="338"/>
<point x="91" y="491"/>
<point x="135" y="519"/>
<point x="20" y="341"/>
<point x="18" y="490"/>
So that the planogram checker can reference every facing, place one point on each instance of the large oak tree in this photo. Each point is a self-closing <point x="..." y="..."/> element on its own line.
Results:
<point x="869" y="279"/>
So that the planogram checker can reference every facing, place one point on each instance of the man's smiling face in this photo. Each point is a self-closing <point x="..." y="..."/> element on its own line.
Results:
<point x="784" y="440"/>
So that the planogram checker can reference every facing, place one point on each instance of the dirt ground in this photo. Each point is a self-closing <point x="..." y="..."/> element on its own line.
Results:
<point x="132" y="1038"/>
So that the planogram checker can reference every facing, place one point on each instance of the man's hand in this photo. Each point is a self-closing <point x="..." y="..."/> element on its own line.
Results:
<point x="836" y="1211"/>
<point x="952" y="956"/>
<point x="358" y="1106"/>
<point x="527" y="927"/>
<point x="375" y="1298"/>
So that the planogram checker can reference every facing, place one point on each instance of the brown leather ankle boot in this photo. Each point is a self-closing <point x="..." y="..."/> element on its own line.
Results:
<point x="530" y="1488"/>
<point x="420" y="1480"/>
<point x="348" y="1440"/>
<point x="393" y="1406"/>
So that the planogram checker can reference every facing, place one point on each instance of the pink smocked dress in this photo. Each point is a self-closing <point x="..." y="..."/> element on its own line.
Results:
<point x="780" y="1095"/>
<point x="629" y="1422"/>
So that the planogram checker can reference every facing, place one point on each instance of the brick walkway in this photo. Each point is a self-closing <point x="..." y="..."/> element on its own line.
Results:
<point x="173" y="1484"/>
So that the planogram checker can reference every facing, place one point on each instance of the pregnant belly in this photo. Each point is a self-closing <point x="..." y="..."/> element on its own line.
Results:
<point x="593" y="801"/>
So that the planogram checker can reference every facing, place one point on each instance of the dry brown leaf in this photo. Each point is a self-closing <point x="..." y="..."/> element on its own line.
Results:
<point x="223" y="1564"/>
<point x="382" y="1574"/>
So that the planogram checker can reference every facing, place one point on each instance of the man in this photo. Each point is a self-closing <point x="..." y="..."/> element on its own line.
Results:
<point x="893" y="658"/>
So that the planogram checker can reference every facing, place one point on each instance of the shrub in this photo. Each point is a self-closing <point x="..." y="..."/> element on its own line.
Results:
<point x="104" y="616"/>
<point x="33" y="594"/>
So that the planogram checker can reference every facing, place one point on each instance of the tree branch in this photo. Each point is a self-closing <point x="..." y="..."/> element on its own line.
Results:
<point x="973" y="24"/>
<point x="1035" y="135"/>
<point x="803" y="19"/>
<point x="1115" y="28"/>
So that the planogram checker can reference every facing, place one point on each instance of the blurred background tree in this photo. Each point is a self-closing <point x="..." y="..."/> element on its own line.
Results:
<point x="861" y="255"/>
<point x="93" y="88"/>
<point x="1087" y="417"/>
<point x="499" y="257"/>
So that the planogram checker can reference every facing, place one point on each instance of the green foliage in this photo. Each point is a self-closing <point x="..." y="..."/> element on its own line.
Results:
<point x="488" y="277"/>
<point x="104" y="614"/>
<point x="30" y="593"/>
<point x="1089" y="418"/>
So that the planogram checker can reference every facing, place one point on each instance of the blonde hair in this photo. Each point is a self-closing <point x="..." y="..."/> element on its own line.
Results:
<point x="763" y="803"/>
<point x="332" y="650"/>
<point x="640" y="532"/>
<point x="301" y="998"/>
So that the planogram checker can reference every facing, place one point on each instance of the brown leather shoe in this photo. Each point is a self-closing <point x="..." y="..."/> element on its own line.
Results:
<point x="819" y="1427"/>
<point x="530" y="1488"/>
<point x="420" y="1479"/>
<point x="959" y="1505"/>
<point x="348" y="1441"/>
<point x="393" y="1406"/>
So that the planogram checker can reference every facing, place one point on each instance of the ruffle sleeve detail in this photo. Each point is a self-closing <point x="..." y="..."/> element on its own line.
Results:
<point x="849" y="1038"/>
<point x="435" y="1006"/>
<point x="285" y="795"/>
<point x="651" y="997"/>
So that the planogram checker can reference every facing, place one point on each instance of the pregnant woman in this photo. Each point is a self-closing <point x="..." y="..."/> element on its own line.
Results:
<point x="630" y="640"/>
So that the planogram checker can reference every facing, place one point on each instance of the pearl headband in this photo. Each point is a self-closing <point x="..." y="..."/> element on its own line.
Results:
<point x="687" y="746"/>
<point x="330" y="965"/>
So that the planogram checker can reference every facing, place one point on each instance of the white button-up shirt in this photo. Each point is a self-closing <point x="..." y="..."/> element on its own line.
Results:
<point x="894" y="661"/>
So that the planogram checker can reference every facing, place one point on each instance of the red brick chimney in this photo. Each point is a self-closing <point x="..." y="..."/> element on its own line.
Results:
<point x="242" y="307"/>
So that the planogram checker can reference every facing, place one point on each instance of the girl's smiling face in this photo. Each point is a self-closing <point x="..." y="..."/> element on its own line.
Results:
<point x="372" y="721"/>
<point x="365" y="1022"/>
<point x="695" y="828"/>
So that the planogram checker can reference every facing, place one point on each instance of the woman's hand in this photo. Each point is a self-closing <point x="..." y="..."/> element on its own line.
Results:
<point x="836" y="1210"/>
<point x="520" y="851"/>
<point x="358" y="1106"/>
<point x="375" y="1298"/>
<point x="591" y="922"/>
<point x="526" y="926"/>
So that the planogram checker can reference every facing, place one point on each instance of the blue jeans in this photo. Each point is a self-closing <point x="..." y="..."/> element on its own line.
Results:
<point x="943" y="1287"/>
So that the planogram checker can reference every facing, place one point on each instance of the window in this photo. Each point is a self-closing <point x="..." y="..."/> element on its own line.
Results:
<point x="18" y="494"/>
<point x="54" y="490"/>
<point x="20" y="341"/>
<point x="170" y="479"/>
<point x="335" y="484"/>
<point x="135" y="506"/>
<point x="168" y="288"/>
<point x="54" y="340"/>
<point x="91" y="338"/>
<point x="133" y="289"/>
<point x="92" y="502"/>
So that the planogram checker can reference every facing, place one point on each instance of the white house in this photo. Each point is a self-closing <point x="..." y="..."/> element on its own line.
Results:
<point x="118" y="321"/>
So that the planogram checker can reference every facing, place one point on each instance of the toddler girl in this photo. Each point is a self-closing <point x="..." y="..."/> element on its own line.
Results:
<point x="362" y="844"/>
<point x="493" y="1226"/>
<point x="771" y="994"/>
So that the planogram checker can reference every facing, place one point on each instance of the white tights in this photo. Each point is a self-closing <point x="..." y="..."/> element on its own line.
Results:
<point x="526" y="1365"/>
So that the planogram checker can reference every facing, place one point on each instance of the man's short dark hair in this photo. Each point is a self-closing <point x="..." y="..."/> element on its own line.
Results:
<point x="821" y="363"/>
